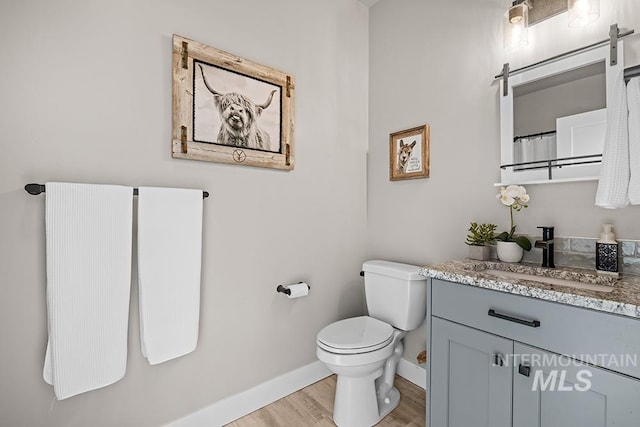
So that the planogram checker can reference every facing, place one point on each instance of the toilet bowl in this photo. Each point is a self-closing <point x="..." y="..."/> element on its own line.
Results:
<point x="357" y="350"/>
<point x="353" y="342"/>
<point x="364" y="351"/>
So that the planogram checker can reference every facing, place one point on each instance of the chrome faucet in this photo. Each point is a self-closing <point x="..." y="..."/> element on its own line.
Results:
<point x="547" y="246"/>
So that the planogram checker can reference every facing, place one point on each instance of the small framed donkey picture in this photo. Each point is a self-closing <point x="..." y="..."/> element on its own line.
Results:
<point x="409" y="154"/>
<point x="228" y="109"/>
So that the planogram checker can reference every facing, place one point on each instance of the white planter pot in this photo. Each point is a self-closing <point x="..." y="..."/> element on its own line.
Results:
<point x="509" y="252"/>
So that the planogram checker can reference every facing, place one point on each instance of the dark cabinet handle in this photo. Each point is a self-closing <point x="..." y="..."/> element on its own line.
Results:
<point x="530" y="323"/>
<point x="498" y="360"/>
<point x="524" y="370"/>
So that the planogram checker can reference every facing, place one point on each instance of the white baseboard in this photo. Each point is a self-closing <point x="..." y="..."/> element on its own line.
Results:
<point x="233" y="407"/>
<point x="414" y="373"/>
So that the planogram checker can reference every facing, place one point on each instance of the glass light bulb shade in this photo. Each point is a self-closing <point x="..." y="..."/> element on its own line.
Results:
<point x="517" y="12"/>
<point x="514" y="24"/>
<point x="583" y="12"/>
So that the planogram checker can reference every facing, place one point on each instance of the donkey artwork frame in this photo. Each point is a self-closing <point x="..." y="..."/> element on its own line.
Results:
<point x="228" y="109"/>
<point x="409" y="154"/>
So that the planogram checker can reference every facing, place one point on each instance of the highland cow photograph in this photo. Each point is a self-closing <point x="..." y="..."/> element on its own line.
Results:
<point x="233" y="109"/>
<point x="230" y="109"/>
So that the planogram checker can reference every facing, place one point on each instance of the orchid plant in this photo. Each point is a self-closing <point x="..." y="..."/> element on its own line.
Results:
<point x="515" y="197"/>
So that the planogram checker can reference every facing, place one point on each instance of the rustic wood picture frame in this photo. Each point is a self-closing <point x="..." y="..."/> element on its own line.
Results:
<point x="220" y="104"/>
<point x="409" y="154"/>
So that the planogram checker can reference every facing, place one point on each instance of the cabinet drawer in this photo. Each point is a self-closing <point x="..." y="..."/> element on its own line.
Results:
<point x="604" y="339"/>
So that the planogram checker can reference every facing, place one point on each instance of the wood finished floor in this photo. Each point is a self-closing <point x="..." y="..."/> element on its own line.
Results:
<point x="313" y="406"/>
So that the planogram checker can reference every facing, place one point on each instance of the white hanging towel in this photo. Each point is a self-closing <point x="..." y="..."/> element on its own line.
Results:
<point x="169" y="257"/>
<point x="613" y="186"/>
<point x="88" y="249"/>
<point x="633" y="100"/>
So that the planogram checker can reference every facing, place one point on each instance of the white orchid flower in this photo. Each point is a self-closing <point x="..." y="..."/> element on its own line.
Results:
<point x="514" y="191"/>
<point x="515" y="198"/>
<point x="507" y="200"/>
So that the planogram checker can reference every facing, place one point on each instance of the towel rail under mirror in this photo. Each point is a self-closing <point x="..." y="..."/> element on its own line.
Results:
<point x="551" y="164"/>
<point x="561" y="105"/>
<point x="36" y="189"/>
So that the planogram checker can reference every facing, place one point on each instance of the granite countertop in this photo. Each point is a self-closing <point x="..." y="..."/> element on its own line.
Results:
<point x="624" y="299"/>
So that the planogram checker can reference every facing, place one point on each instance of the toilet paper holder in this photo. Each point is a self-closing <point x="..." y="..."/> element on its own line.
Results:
<point x="287" y="291"/>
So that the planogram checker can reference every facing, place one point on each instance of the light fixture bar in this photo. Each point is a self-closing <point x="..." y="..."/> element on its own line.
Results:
<point x="543" y="9"/>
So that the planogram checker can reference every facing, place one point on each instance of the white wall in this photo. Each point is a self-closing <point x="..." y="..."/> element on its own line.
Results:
<point x="86" y="97"/>
<point x="433" y="62"/>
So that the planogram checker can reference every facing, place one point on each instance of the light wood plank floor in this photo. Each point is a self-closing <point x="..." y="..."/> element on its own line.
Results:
<point x="313" y="405"/>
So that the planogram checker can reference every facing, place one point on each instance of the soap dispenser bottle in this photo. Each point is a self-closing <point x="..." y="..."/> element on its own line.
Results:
<point x="607" y="252"/>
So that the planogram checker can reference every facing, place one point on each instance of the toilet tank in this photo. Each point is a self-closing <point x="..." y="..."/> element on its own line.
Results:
<point x="395" y="293"/>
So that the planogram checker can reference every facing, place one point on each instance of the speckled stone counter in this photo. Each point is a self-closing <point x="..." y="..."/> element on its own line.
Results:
<point x="624" y="299"/>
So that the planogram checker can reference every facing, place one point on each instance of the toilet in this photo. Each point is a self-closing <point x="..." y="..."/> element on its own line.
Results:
<point x="364" y="351"/>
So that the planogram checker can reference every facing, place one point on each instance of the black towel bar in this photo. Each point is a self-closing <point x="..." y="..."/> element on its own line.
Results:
<point x="631" y="72"/>
<point x="36" y="189"/>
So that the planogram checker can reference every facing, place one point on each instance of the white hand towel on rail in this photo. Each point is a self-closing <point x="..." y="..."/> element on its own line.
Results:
<point x="633" y="100"/>
<point x="88" y="249"/>
<point x="613" y="186"/>
<point x="169" y="261"/>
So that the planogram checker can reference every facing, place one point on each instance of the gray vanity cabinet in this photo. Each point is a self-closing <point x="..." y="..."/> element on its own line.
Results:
<point x="486" y="366"/>
<point x="474" y="381"/>
<point x="575" y="395"/>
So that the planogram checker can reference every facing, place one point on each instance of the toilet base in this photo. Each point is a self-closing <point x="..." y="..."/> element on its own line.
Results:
<point x="371" y="409"/>
<point x="364" y="392"/>
<point x="360" y="393"/>
<point x="388" y="404"/>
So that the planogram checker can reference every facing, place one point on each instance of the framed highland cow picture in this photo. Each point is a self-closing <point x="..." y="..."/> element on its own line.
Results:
<point x="409" y="154"/>
<point x="228" y="109"/>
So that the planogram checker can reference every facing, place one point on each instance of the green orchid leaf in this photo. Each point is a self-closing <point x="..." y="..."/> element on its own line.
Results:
<point x="523" y="242"/>
<point x="504" y="236"/>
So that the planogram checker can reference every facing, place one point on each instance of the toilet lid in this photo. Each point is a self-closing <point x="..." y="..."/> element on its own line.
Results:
<point x="356" y="335"/>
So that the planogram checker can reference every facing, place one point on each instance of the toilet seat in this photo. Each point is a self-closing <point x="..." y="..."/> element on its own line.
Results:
<point x="356" y="335"/>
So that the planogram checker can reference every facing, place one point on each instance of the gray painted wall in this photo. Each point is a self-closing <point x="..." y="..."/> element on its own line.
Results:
<point x="433" y="62"/>
<point x="86" y="97"/>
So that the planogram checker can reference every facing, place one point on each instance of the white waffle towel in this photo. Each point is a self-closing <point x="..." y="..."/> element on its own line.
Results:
<point x="613" y="186"/>
<point x="88" y="244"/>
<point x="169" y="258"/>
<point x="633" y="100"/>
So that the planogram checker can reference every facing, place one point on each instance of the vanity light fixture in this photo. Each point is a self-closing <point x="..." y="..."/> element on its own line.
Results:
<point x="515" y="25"/>
<point x="523" y="14"/>
<point x="583" y="12"/>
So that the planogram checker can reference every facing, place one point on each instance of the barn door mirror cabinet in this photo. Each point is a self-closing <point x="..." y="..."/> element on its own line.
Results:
<point x="553" y="114"/>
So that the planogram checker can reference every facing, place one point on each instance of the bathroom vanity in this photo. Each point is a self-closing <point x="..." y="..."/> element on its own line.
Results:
<point x="507" y="348"/>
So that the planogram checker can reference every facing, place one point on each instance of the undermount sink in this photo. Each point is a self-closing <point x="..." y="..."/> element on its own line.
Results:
<point x="549" y="280"/>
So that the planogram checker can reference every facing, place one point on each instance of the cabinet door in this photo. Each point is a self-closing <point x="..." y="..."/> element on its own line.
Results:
<point x="470" y="377"/>
<point x="550" y="390"/>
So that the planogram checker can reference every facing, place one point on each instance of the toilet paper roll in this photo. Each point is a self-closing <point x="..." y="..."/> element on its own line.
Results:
<point x="298" y="290"/>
